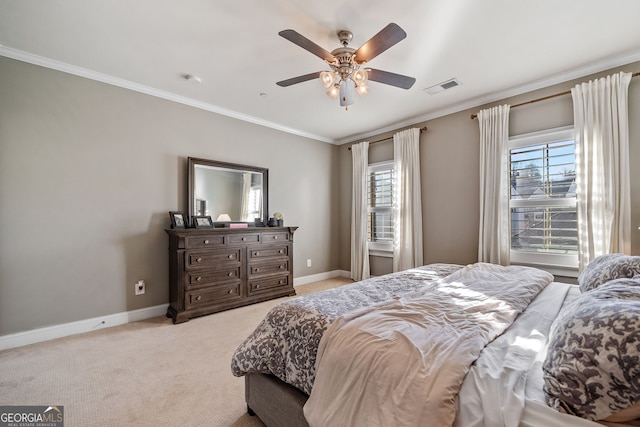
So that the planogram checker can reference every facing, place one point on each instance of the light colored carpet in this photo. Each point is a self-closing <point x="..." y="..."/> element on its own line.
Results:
<point x="147" y="373"/>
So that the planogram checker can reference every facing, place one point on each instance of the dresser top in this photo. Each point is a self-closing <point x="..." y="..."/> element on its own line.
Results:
<point x="226" y="230"/>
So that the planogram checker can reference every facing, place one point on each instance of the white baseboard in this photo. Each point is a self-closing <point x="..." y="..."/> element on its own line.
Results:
<point x="58" y="331"/>
<point x="47" y="333"/>
<point x="298" y="281"/>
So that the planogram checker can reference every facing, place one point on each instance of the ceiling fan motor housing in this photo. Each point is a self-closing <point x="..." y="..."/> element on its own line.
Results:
<point x="345" y="62"/>
<point x="345" y="37"/>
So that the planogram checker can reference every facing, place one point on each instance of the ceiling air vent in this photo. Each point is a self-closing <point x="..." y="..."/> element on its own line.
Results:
<point x="443" y="86"/>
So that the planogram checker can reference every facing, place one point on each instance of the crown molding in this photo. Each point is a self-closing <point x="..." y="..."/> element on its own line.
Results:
<point x="147" y="90"/>
<point x="597" y="67"/>
<point x="594" y="68"/>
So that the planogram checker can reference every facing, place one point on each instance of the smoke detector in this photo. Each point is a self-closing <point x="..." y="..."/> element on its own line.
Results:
<point x="192" y="78"/>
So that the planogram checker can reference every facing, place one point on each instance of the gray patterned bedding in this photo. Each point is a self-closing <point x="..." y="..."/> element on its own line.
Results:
<point x="592" y="369"/>
<point x="286" y="342"/>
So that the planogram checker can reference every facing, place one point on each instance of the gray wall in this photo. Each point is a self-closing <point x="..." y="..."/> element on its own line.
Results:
<point x="88" y="174"/>
<point x="449" y="159"/>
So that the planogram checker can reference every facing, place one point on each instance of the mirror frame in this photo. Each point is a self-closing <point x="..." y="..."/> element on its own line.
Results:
<point x="193" y="162"/>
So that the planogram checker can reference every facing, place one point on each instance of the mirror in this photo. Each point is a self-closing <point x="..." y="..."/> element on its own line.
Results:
<point x="228" y="192"/>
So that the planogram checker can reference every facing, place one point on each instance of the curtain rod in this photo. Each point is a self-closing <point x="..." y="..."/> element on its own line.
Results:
<point x="422" y="130"/>
<point x="544" y="98"/>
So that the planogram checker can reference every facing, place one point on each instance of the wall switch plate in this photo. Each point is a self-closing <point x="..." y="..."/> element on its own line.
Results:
<point x="309" y="262"/>
<point x="140" y="287"/>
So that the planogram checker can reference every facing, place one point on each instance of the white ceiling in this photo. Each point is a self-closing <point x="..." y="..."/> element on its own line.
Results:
<point x="496" y="48"/>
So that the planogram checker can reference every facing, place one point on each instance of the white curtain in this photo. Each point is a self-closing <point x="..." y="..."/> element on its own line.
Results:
<point x="494" y="234"/>
<point x="359" y="250"/>
<point x="245" y="215"/>
<point x="601" y="123"/>
<point x="407" y="248"/>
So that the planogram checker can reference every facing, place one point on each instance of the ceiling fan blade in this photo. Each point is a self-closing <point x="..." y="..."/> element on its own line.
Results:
<point x="297" y="38"/>
<point x="393" y="79"/>
<point x="387" y="37"/>
<point x="299" y="79"/>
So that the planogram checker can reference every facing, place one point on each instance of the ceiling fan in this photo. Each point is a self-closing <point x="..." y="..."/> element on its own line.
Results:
<point x="348" y="74"/>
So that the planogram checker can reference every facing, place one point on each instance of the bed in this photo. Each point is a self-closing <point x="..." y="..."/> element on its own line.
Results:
<point x="362" y="354"/>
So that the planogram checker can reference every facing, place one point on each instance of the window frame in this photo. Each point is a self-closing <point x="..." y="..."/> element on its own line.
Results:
<point x="558" y="264"/>
<point x="381" y="249"/>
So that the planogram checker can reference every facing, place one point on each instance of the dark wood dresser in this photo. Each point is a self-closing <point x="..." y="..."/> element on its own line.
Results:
<point x="215" y="269"/>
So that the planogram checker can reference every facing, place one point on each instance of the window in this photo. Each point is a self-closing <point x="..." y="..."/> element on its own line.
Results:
<point x="255" y="203"/>
<point x="542" y="199"/>
<point x="380" y="224"/>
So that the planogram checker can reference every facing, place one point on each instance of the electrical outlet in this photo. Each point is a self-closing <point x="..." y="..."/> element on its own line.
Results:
<point x="309" y="262"/>
<point x="140" y="287"/>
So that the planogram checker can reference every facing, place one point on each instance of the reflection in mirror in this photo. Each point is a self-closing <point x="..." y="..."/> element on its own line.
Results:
<point x="227" y="192"/>
<point x="201" y="207"/>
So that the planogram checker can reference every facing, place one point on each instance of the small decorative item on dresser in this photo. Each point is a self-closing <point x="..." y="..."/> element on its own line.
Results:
<point x="279" y="219"/>
<point x="178" y="219"/>
<point x="203" y="221"/>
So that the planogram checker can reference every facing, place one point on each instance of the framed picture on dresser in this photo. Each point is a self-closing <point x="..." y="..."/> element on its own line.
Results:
<point x="203" y="221"/>
<point x="178" y="219"/>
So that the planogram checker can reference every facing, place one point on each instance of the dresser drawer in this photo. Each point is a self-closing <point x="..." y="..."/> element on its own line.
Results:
<point x="213" y="295"/>
<point x="216" y="260"/>
<point x="267" y="284"/>
<point x="207" y="277"/>
<point x="257" y="252"/>
<point x="204" y="241"/>
<point x="241" y="239"/>
<point x="269" y="267"/>
<point x="275" y="236"/>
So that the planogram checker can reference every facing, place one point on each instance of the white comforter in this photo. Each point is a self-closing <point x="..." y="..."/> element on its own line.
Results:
<point x="504" y="386"/>
<point x="402" y="362"/>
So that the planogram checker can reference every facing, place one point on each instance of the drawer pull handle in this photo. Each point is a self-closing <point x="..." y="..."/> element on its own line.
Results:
<point x="198" y="259"/>
<point x="275" y="237"/>
<point x="282" y="267"/>
<point x="198" y="298"/>
<point x="198" y="279"/>
<point x="206" y="242"/>
<point x="256" y="253"/>
<point x="256" y="269"/>
<point x="281" y="282"/>
<point x="230" y="256"/>
<point x="244" y="239"/>
<point x="230" y="274"/>
<point x="230" y="291"/>
<point x="281" y="251"/>
<point x="257" y="286"/>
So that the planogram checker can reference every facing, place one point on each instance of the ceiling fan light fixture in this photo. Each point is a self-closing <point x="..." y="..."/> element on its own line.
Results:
<point x="360" y="77"/>
<point x="362" y="90"/>
<point x="333" y="91"/>
<point x="327" y="78"/>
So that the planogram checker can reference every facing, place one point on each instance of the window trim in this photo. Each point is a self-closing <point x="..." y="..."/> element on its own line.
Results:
<point x="558" y="264"/>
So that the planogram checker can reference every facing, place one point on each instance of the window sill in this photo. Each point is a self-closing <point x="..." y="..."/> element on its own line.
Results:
<point x="556" y="264"/>
<point x="556" y="270"/>
<point x="381" y="253"/>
